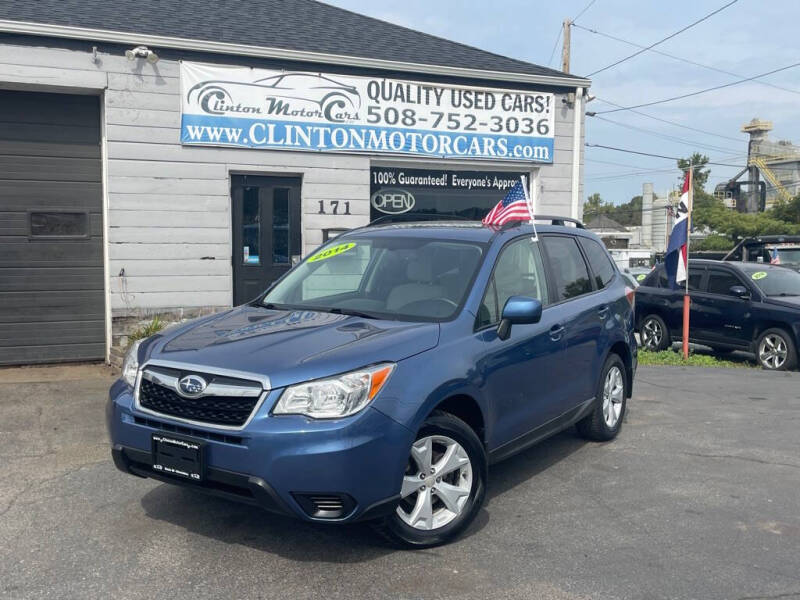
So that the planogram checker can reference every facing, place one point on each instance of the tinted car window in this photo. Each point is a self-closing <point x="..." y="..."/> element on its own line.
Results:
<point x="695" y="279"/>
<point x="518" y="272"/>
<point x="720" y="282"/>
<point x="569" y="269"/>
<point x="600" y="262"/>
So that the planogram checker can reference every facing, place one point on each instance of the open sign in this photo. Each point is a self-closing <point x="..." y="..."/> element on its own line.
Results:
<point x="392" y="201"/>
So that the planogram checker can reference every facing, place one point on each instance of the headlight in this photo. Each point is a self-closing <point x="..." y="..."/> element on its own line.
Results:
<point x="334" y="397"/>
<point x="131" y="364"/>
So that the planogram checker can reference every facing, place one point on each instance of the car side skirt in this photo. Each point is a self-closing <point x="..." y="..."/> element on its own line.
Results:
<point x="542" y="432"/>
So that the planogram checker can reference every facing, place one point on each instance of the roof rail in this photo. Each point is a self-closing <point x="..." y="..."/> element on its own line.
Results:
<point x="420" y="216"/>
<point x="554" y="220"/>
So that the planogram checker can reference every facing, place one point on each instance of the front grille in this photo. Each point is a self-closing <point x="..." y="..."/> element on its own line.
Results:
<point x="229" y="411"/>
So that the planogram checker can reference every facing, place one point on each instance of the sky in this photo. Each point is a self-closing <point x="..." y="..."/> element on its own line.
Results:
<point x="748" y="38"/>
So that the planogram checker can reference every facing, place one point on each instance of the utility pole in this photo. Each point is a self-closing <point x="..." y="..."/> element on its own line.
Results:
<point x="565" y="47"/>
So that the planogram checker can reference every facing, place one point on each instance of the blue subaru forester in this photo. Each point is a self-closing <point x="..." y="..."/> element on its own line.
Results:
<point x="379" y="378"/>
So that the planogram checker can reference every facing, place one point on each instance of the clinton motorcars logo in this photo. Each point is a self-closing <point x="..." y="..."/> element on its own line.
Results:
<point x="392" y="201"/>
<point x="192" y="385"/>
<point x="301" y="95"/>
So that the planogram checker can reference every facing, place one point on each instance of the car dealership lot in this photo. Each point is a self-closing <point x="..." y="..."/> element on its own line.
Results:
<point x="697" y="498"/>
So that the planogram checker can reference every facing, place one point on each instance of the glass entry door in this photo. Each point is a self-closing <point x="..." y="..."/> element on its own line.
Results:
<point x="266" y="232"/>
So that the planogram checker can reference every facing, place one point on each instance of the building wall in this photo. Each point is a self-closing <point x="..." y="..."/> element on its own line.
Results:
<point x="168" y="206"/>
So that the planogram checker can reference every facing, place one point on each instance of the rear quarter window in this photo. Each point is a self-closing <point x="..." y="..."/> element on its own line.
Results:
<point x="602" y="266"/>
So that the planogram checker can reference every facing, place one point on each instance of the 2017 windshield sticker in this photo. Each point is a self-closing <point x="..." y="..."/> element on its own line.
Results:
<point x="641" y="276"/>
<point x="758" y="275"/>
<point x="333" y="251"/>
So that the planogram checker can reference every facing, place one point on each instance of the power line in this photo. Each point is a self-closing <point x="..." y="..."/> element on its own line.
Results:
<point x="585" y="8"/>
<point x="622" y="60"/>
<point x="628" y="151"/>
<point x="660" y="135"/>
<point x="697" y="93"/>
<point x="616" y="164"/>
<point x="675" y="123"/>
<point x="680" y="58"/>
<point x="555" y="45"/>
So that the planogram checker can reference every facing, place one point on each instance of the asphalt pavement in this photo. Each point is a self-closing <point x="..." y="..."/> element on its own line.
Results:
<point x="698" y="498"/>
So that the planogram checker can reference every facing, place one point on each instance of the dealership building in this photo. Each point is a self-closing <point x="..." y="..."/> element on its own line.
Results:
<point x="173" y="158"/>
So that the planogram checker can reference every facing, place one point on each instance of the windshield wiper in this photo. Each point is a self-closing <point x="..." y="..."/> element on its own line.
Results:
<point x="782" y="295"/>
<point x="349" y="312"/>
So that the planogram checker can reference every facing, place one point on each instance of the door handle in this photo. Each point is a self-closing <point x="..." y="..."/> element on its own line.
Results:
<point x="556" y="331"/>
<point x="602" y="312"/>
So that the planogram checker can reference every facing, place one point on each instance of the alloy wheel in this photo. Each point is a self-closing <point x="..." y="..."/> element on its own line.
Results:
<point x="652" y="334"/>
<point x="613" y="395"/>
<point x="437" y="483"/>
<point x="772" y="351"/>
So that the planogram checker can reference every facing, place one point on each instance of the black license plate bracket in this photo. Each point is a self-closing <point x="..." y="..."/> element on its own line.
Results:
<point x="179" y="456"/>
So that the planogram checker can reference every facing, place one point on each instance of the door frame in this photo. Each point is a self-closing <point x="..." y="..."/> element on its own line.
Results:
<point x="300" y="175"/>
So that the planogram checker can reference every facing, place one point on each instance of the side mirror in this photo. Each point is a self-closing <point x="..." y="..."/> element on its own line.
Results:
<point x="518" y="309"/>
<point x="739" y="291"/>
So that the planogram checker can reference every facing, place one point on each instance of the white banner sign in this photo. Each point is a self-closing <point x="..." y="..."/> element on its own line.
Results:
<point x="258" y="108"/>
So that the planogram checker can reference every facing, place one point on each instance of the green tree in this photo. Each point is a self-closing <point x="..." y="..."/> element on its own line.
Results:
<point x="629" y="213"/>
<point x="788" y="211"/>
<point x="594" y="205"/>
<point x="715" y="241"/>
<point x="701" y="173"/>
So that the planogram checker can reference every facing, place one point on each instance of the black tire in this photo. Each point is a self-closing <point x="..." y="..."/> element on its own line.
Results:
<point x="594" y="426"/>
<point x="399" y="532"/>
<point x="764" y="351"/>
<point x="653" y="325"/>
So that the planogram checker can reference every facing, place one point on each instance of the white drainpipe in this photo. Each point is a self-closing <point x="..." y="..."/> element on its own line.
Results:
<point x="576" y="152"/>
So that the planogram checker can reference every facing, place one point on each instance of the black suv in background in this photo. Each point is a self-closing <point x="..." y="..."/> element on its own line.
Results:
<point x="734" y="306"/>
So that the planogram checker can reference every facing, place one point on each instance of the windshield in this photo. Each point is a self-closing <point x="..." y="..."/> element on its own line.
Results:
<point x="775" y="281"/>
<point x="405" y="278"/>
<point x="789" y="256"/>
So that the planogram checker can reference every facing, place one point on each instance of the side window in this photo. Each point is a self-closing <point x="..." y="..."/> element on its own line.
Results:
<point x="662" y="280"/>
<point x="720" y="282"/>
<point x="695" y="279"/>
<point x="568" y="267"/>
<point x="600" y="262"/>
<point x="519" y="271"/>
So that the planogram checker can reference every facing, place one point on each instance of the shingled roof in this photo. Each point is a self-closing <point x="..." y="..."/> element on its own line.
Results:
<point x="299" y="25"/>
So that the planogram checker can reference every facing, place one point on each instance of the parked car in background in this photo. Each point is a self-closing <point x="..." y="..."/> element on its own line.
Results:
<point x="734" y="306"/>
<point x="636" y="275"/>
<point x="629" y="279"/>
<point x="768" y="249"/>
<point x="381" y="376"/>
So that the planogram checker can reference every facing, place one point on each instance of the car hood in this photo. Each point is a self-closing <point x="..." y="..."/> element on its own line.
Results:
<point x="788" y="301"/>
<point x="290" y="346"/>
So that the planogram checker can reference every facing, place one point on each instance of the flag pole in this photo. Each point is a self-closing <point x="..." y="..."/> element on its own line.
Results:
<point x="686" y="298"/>
<point x="529" y="204"/>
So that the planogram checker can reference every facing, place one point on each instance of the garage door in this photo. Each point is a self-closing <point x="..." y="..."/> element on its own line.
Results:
<point x="51" y="234"/>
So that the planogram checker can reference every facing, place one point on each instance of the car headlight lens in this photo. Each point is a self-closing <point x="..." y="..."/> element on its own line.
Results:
<point x="334" y="397"/>
<point x="130" y="365"/>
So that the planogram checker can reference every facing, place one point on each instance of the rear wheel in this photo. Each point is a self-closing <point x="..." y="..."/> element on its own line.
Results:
<point x="775" y="350"/>
<point x="443" y="487"/>
<point x="654" y="333"/>
<point x="605" y="420"/>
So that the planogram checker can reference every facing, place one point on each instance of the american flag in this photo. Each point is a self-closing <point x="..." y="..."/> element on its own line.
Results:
<point x="514" y="207"/>
<point x="774" y="257"/>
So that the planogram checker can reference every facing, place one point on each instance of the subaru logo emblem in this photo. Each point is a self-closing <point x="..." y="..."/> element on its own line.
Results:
<point x="192" y="385"/>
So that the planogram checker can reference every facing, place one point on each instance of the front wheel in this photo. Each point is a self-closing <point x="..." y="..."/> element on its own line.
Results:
<point x="443" y="487"/>
<point x="775" y="350"/>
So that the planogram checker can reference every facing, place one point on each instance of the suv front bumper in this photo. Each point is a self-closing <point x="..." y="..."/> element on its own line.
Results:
<point x="278" y="463"/>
